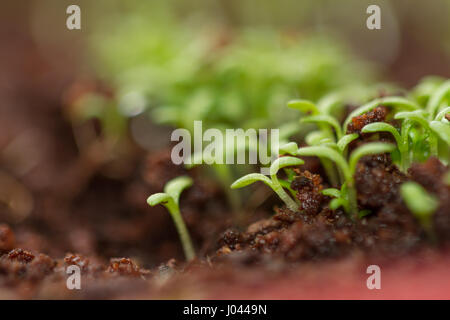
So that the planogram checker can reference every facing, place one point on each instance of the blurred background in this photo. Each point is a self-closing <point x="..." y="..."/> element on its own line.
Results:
<point x="86" y="115"/>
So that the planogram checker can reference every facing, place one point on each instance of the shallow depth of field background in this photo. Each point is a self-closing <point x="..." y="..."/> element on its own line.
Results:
<point x="142" y="68"/>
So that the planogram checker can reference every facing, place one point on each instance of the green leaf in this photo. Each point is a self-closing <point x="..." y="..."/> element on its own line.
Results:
<point x="396" y="102"/>
<point x="338" y="202"/>
<point x="441" y="115"/>
<point x="283" y="162"/>
<point x="325" y="119"/>
<point x="289" y="148"/>
<point x="332" y="192"/>
<point x="249" y="179"/>
<point x="368" y="149"/>
<point x="329" y="153"/>
<point x="442" y="130"/>
<point x="175" y="186"/>
<point x="317" y="137"/>
<point x="383" y="127"/>
<point x="344" y="190"/>
<point x="287" y="185"/>
<point x="418" y="200"/>
<point x="304" y="106"/>
<point x="437" y="98"/>
<point x="330" y="102"/>
<point x="159" y="198"/>
<point x="419" y="116"/>
<point x="426" y="87"/>
<point x="345" y="141"/>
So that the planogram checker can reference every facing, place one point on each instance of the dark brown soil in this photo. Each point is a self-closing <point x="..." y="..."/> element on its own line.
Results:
<point x="317" y="233"/>
<point x="376" y="115"/>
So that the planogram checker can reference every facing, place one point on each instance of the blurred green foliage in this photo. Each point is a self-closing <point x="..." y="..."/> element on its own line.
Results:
<point x="193" y="69"/>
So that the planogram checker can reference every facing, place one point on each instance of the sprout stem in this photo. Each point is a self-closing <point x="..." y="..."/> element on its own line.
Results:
<point x="186" y="242"/>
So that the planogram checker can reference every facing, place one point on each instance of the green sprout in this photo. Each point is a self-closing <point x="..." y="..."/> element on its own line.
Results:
<point x="441" y="126"/>
<point x="420" y="203"/>
<point x="426" y="87"/>
<point x="402" y="138"/>
<point x="273" y="182"/>
<point x="440" y="96"/>
<point x="428" y="132"/>
<point x="170" y="199"/>
<point x="327" y="124"/>
<point x="324" y="121"/>
<point x="347" y="194"/>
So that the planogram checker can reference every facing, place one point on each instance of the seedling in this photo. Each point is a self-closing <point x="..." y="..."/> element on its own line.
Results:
<point x="318" y="138"/>
<point x="327" y="124"/>
<point x="324" y="121"/>
<point x="431" y="130"/>
<point x="441" y="126"/>
<point x="170" y="199"/>
<point x="340" y="197"/>
<point x="437" y="98"/>
<point x="348" y="190"/>
<point x="402" y="138"/>
<point x="426" y="87"/>
<point x="420" y="203"/>
<point x="273" y="182"/>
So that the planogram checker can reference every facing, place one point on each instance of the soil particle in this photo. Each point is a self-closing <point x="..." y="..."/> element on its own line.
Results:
<point x="125" y="266"/>
<point x="77" y="260"/>
<point x="295" y="237"/>
<point x="429" y="174"/>
<point x="309" y="191"/>
<point x="390" y="228"/>
<point x="376" y="115"/>
<point x="20" y="264"/>
<point x="378" y="181"/>
<point x="231" y="238"/>
<point x="41" y="267"/>
<point x="168" y="269"/>
<point x="20" y="255"/>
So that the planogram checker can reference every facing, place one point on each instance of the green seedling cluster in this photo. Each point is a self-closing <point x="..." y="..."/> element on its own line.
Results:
<point x="182" y="75"/>
<point x="421" y="119"/>
<point x="177" y="72"/>
<point x="420" y="203"/>
<point x="423" y="131"/>
<point x="170" y="199"/>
